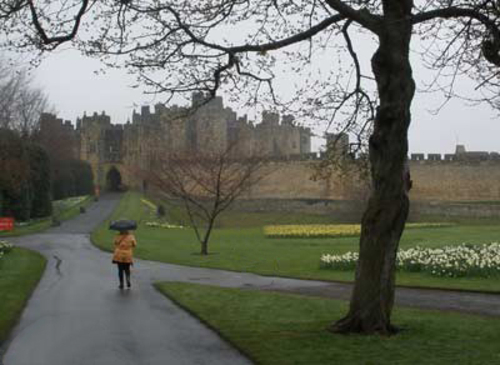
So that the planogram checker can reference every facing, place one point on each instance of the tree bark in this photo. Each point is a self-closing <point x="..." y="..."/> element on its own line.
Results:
<point x="204" y="247"/>
<point x="206" y="238"/>
<point x="384" y="219"/>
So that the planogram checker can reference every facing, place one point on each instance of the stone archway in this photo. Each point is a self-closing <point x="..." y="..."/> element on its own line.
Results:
<point x="113" y="179"/>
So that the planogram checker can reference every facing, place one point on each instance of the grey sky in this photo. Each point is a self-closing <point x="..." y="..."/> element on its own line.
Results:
<point x="73" y="87"/>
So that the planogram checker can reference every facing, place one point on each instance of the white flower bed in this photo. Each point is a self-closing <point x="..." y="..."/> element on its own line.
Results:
<point x="5" y="247"/>
<point x="452" y="261"/>
<point x="162" y="225"/>
<point x="69" y="202"/>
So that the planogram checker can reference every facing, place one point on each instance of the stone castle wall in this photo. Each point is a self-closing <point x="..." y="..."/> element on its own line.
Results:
<point x="446" y="190"/>
<point x="461" y="177"/>
<point x="456" y="181"/>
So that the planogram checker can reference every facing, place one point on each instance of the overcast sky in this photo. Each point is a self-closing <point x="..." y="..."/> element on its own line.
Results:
<point x="70" y="81"/>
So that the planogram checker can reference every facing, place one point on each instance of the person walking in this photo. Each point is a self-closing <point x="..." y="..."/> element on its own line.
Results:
<point x="123" y="255"/>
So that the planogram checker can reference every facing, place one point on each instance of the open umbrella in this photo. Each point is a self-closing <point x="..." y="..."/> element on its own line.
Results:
<point x="123" y="225"/>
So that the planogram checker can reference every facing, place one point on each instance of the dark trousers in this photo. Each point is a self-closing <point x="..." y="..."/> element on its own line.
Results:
<point x="124" y="268"/>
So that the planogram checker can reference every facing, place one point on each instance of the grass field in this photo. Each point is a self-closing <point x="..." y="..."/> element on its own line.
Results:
<point x="273" y="328"/>
<point x="246" y="248"/>
<point x="64" y="212"/>
<point x="20" y="271"/>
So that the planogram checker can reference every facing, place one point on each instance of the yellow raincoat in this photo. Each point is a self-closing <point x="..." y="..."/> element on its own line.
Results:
<point x="124" y="246"/>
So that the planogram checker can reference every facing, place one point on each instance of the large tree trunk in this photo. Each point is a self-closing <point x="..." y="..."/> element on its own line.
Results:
<point x="384" y="219"/>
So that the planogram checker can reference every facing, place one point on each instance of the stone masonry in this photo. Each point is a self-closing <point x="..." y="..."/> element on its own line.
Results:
<point x="460" y="177"/>
<point x="205" y="126"/>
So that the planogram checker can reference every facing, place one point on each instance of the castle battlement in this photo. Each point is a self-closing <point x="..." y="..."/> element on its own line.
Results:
<point x="270" y="118"/>
<point x="94" y="121"/>
<point x="464" y="156"/>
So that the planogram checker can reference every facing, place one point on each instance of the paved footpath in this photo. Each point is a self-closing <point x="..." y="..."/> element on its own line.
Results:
<point x="77" y="315"/>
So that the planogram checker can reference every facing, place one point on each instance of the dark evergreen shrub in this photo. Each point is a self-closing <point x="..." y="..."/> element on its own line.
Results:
<point x="40" y="179"/>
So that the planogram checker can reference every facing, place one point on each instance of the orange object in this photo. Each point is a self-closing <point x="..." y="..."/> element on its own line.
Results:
<point x="6" y="224"/>
<point x="124" y="247"/>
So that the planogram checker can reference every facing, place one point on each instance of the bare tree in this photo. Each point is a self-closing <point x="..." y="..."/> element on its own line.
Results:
<point x="206" y="182"/>
<point x="31" y="103"/>
<point x="464" y="49"/>
<point x="181" y="46"/>
<point x="21" y="104"/>
<point x="9" y="87"/>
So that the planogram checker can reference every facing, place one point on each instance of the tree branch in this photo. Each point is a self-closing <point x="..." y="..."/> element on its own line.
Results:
<point x="57" y="40"/>
<point x="299" y="37"/>
<point x="6" y="10"/>
<point x="363" y="17"/>
<point x="455" y="12"/>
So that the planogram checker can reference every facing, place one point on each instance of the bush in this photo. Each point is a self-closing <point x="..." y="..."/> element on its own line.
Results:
<point x="72" y="178"/>
<point x="41" y="202"/>
<point x="14" y="175"/>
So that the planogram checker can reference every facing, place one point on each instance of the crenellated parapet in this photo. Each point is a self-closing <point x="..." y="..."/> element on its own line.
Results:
<point x="467" y="157"/>
<point x="461" y="154"/>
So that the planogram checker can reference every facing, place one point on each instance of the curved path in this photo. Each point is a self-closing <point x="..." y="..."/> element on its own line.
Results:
<point x="77" y="315"/>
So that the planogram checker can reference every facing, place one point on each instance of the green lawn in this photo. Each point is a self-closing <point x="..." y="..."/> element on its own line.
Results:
<point x="246" y="248"/>
<point x="65" y="212"/>
<point x="273" y="328"/>
<point x="20" y="271"/>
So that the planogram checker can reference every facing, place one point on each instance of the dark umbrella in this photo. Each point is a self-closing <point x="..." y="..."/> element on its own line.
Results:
<point x="123" y="225"/>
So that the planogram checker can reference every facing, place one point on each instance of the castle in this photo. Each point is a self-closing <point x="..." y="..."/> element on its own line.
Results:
<point x="205" y="126"/>
<point x="111" y="149"/>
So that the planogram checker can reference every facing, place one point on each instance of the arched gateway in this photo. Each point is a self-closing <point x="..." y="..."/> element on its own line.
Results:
<point x="113" y="180"/>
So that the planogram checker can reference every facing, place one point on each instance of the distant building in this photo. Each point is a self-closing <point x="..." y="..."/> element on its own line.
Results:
<point x="204" y="126"/>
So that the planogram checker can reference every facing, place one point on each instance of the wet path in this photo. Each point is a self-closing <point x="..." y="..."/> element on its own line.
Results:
<point x="77" y="315"/>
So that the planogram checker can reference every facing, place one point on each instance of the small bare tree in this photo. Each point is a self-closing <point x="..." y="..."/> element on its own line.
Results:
<point x="206" y="182"/>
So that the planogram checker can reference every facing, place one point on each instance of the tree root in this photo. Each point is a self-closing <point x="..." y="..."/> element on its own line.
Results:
<point x="355" y="324"/>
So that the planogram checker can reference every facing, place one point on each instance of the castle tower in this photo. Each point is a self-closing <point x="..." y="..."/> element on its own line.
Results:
<point x="58" y="137"/>
<point x="210" y="125"/>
